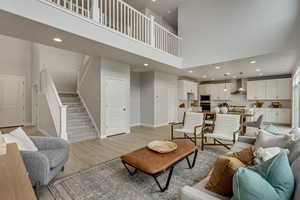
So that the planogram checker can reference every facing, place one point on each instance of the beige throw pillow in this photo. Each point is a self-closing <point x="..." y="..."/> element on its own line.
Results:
<point x="265" y="139"/>
<point x="221" y="177"/>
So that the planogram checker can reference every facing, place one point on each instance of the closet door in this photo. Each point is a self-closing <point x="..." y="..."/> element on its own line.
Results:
<point x="12" y="101"/>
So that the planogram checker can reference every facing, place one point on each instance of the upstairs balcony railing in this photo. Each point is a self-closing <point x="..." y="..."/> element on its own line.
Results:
<point x="123" y="18"/>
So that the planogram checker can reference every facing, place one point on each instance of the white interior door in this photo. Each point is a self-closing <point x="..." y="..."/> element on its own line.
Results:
<point x="116" y="98"/>
<point x="172" y="105"/>
<point x="12" y="101"/>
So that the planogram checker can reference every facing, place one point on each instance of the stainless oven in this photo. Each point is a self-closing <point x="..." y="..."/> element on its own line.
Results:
<point x="204" y="98"/>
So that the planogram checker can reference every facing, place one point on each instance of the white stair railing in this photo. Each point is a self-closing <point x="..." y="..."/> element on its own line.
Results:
<point x="123" y="18"/>
<point x="57" y="109"/>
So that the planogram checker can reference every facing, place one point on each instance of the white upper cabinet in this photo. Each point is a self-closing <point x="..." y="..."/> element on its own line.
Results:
<point x="284" y="89"/>
<point x="205" y="89"/>
<point x="218" y="93"/>
<point x="187" y="87"/>
<point x="274" y="89"/>
<point x="271" y="89"/>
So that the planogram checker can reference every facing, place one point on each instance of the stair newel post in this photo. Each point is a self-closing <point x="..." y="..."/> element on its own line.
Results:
<point x="96" y="10"/>
<point x="152" y="31"/>
<point x="63" y="122"/>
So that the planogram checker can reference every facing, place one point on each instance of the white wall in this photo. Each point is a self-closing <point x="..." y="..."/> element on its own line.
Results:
<point x="45" y="123"/>
<point x="135" y="98"/>
<point x="147" y="99"/>
<point x="215" y="31"/>
<point x="89" y="89"/>
<point x="15" y="59"/>
<point x="62" y="65"/>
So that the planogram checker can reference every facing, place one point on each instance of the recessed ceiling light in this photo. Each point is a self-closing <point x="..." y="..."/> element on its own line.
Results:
<point x="204" y="76"/>
<point x="258" y="70"/>
<point x="153" y="0"/>
<point x="261" y="74"/>
<point x="169" y="11"/>
<point x="146" y="64"/>
<point x="213" y="79"/>
<point x="228" y="73"/>
<point x="190" y="71"/>
<point x="253" y="61"/>
<point x="57" y="39"/>
<point x="218" y="67"/>
<point x="234" y="77"/>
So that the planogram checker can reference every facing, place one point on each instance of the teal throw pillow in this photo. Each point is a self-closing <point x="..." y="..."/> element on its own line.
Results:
<point x="272" y="180"/>
<point x="275" y="131"/>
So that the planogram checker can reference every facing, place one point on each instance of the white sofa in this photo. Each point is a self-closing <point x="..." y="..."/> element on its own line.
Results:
<point x="198" y="191"/>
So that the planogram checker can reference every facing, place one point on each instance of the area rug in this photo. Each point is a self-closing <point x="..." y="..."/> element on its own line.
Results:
<point x="111" y="181"/>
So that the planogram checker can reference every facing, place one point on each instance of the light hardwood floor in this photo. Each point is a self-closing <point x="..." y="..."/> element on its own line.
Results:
<point x="89" y="153"/>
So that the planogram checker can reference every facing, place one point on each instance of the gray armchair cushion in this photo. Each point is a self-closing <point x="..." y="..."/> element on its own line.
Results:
<point x="43" y="165"/>
<point x="55" y="157"/>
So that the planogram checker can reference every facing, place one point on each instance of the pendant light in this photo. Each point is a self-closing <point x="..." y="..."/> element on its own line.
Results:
<point x="225" y="88"/>
<point x="242" y="88"/>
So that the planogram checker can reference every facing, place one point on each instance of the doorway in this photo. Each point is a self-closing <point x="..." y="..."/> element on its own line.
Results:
<point x="116" y="109"/>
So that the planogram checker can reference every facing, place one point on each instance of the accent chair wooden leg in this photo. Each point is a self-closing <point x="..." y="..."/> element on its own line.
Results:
<point x="63" y="169"/>
<point x="195" y="136"/>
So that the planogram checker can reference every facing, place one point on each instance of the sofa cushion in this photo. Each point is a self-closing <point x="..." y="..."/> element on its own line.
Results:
<point x="265" y="139"/>
<point x="206" y="193"/>
<point x="296" y="172"/>
<point x="55" y="157"/>
<point x="294" y="148"/>
<point x="272" y="179"/>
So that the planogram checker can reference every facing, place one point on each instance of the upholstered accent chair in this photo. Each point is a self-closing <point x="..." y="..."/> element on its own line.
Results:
<point x="225" y="132"/>
<point x="193" y="123"/>
<point x="43" y="165"/>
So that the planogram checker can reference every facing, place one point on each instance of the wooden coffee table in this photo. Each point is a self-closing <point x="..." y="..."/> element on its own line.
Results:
<point x="155" y="164"/>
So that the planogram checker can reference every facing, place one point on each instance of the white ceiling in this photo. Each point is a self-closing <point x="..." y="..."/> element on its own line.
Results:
<point x="161" y="7"/>
<point x="271" y="64"/>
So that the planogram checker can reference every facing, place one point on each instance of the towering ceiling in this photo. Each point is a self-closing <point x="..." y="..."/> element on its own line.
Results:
<point x="216" y="31"/>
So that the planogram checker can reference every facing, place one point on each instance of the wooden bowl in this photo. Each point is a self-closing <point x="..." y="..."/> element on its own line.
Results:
<point x="162" y="146"/>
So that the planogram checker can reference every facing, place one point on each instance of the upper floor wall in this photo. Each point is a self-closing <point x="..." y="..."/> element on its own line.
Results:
<point x="216" y="31"/>
<point x="108" y="27"/>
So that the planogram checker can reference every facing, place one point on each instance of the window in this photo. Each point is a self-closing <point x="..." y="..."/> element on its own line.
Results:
<point x="296" y="99"/>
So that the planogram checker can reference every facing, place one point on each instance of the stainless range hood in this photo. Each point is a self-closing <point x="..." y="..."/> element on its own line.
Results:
<point x="239" y="86"/>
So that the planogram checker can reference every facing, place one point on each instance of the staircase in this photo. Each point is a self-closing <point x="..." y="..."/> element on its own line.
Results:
<point x="79" y="125"/>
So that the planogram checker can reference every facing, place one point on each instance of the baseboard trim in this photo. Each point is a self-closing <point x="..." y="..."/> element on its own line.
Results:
<point x="89" y="114"/>
<point x="147" y="125"/>
<point x="134" y="125"/>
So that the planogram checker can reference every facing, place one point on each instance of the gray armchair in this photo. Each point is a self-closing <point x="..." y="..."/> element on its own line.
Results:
<point x="43" y="165"/>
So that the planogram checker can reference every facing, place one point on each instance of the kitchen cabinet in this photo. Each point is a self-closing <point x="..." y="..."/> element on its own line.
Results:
<point x="273" y="89"/>
<point x="218" y="93"/>
<point x="284" y="89"/>
<point x="186" y="87"/>
<point x="205" y="89"/>
<point x="256" y="90"/>
<point x="279" y="89"/>
<point x="274" y="115"/>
